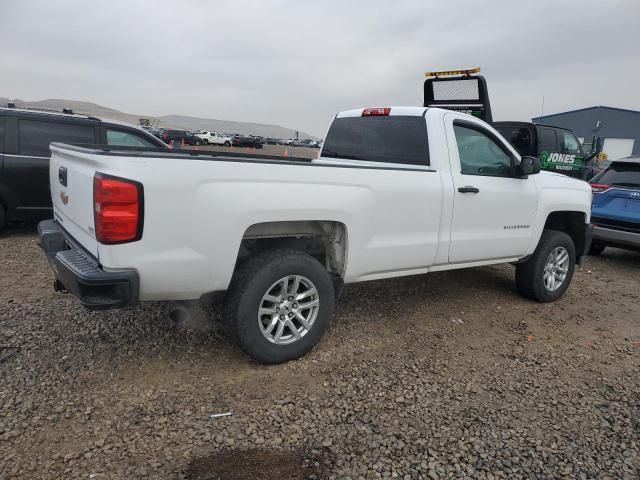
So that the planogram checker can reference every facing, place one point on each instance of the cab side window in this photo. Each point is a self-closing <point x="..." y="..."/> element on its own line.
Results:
<point x="548" y="140"/>
<point x="570" y="143"/>
<point x="480" y="154"/>
<point x="121" y="138"/>
<point x="36" y="135"/>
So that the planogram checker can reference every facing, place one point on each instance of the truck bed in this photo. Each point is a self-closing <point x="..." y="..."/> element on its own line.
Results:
<point x="198" y="206"/>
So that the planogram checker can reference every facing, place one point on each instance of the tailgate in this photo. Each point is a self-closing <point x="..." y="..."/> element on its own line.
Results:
<point x="71" y="178"/>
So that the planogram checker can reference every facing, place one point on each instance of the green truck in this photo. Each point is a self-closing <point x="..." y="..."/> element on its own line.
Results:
<point x="558" y="149"/>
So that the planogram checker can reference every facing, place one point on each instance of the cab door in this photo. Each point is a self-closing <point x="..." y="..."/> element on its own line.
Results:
<point x="494" y="209"/>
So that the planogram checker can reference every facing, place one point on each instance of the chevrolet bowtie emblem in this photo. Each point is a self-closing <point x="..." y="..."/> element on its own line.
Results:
<point x="64" y="197"/>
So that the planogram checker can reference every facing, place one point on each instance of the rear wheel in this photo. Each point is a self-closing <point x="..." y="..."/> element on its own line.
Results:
<point x="596" y="249"/>
<point x="227" y="144"/>
<point x="547" y="274"/>
<point x="278" y="305"/>
<point x="206" y="142"/>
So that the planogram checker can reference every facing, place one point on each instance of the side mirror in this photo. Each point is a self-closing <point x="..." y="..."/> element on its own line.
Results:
<point x="597" y="146"/>
<point x="529" y="166"/>
<point x="596" y="149"/>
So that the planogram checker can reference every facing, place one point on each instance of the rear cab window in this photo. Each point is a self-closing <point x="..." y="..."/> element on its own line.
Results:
<point x="621" y="174"/>
<point x="385" y="139"/>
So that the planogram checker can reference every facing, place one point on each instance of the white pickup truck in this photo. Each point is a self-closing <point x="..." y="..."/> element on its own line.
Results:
<point x="396" y="191"/>
<point x="215" y="138"/>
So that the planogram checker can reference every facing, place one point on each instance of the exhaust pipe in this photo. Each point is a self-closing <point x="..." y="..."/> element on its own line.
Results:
<point x="190" y="316"/>
<point x="180" y="314"/>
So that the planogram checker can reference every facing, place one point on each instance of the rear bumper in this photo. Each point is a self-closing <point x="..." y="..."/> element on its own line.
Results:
<point x="79" y="273"/>
<point x="616" y="238"/>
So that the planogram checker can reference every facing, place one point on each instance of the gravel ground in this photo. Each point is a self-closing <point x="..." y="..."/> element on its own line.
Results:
<point x="449" y="375"/>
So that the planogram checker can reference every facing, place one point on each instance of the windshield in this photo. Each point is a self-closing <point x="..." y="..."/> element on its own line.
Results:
<point x="621" y="174"/>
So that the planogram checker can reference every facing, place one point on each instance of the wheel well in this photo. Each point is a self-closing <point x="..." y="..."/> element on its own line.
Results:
<point x="324" y="240"/>
<point x="572" y="223"/>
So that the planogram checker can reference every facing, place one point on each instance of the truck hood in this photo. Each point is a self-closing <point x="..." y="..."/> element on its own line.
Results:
<point x="552" y="179"/>
<point x="564" y="193"/>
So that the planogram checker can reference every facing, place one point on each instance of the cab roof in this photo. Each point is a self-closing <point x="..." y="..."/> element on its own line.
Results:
<point x="44" y="111"/>
<point x="630" y="159"/>
<point x="393" y="111"/>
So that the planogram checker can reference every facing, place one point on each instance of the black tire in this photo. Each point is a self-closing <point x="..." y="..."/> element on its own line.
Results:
<point x="530" y="274"/>
<point x="596" y="249"/>
<point x="252" y="281"/>
<point x="206" y="142"/>
<point x="227" y="144"/>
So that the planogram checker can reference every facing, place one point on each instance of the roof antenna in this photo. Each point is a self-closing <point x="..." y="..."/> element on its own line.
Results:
<point x="542" y="108"/>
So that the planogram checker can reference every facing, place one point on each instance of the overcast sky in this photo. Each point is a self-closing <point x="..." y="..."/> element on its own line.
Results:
<point x="296" y="63"/>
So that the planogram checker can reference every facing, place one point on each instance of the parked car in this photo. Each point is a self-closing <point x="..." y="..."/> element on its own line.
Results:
<point x="215" y="138"/>
<point x="25" y="135"/>
<point x="277" y="237"/>
<point x="156" y="132"/>
<point x="177" y="136"/>
<point x="247" y="141"/>
<point x="616" y="206"/>
<point x="307" y="142"/>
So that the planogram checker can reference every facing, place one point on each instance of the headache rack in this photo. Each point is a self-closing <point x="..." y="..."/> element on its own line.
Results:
<point x="459" y="90"/>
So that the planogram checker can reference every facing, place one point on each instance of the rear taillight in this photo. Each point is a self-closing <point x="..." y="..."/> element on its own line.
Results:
<point x="117" y="209"/>
<point x="599" y="187"/>
<point x="376" y="112"/>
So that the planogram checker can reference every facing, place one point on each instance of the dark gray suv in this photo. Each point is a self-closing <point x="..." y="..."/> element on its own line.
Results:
<point x="25" y="135"/>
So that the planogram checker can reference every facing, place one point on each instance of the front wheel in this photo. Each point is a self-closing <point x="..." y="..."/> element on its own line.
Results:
<point x="547" y="274"/>
<point x="227" y="144"/>
<point x="278" y="305"/>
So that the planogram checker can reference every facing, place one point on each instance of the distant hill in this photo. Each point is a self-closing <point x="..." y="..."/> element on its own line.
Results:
<point x="178" y="121"/>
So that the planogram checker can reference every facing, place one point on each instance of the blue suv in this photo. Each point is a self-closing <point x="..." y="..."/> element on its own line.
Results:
<point x="615" y="212"/>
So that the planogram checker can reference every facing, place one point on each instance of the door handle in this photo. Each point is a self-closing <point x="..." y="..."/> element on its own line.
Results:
<point x="468" y="189"/>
